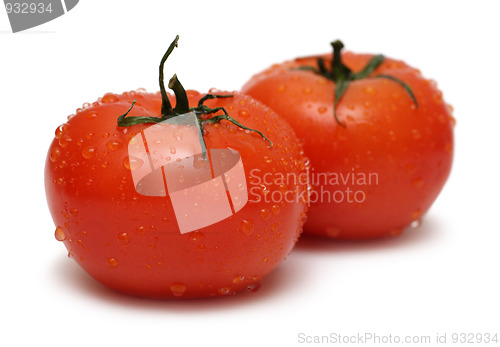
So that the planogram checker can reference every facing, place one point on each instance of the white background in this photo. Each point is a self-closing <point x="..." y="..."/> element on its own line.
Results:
<point x="440" y="278"/>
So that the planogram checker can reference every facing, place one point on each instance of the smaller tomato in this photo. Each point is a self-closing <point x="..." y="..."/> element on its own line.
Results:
<point x="379" y="137"/>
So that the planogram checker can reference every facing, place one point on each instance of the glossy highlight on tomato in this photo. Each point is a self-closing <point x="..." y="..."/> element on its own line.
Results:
<point x="381" y="159"/>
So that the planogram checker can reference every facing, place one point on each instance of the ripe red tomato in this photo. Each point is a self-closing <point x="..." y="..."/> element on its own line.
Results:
<point x="132" y="239"/>
<point x="381" y="164"/>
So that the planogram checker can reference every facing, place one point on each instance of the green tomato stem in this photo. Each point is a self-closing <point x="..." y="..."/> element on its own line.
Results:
<point x="342" y="75"/>
<point x="182" y="104"/>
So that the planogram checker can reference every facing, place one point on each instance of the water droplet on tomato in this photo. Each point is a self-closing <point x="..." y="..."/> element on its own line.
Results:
<point x="196" y="236"/>
<point x="141" y="229"/>
<point x="124" y="238"/>
<point x="178" y="289"/>
<point x="215" y="183"/>
<point x="64" y="141"/>
<point x="453" y="121"/>
<point x="264" y="213"/>
<point x="252" y="288"/>
<point x="275" y="209"/>
<point x="109" y="98"/>
<point x="247" y="226"/>
<point x="283" y="188"/>
<point x="243" y="113"/>
<point x="369" y="90"/>
<point x="438" y="97"/>
<point x="59" y="234"/>
<point x="88" y="152"/>
<point x="112" y="263"/>
<point x="61" y="130"/>
<point x="132" y="163"/>
<point x="268" y="160"/>
<point x="238" y="279"/>
<point x="416" y="223"/>
<point x="91" y="115"/>
<point x="54" y="154"/>
<point x="322" y="109"/>
<point x="225" y="290"/>
<point x="113" y="145"/>
<point x="241" y="187"/>
<point x="416" y="214"/>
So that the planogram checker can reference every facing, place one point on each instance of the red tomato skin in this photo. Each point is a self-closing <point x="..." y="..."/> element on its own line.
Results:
<point x="408" y="151"/>
<point x="131" y="242"/>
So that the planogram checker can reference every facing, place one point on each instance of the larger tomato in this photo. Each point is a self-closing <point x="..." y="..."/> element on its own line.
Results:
<point x="380" y="160"/>
<point x="134" y="240"/>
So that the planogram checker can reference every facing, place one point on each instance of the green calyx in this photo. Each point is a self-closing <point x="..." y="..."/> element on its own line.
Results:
<point x="182" y="104"/>
<point x="342" y="75"/>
